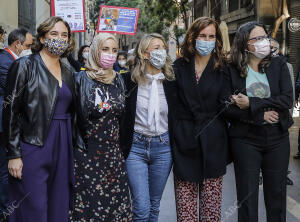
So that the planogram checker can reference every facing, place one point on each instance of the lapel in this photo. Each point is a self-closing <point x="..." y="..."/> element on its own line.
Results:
<point x="188" y="80"/>
<point x="168" y="90"/>
<point x="240" y="86"/>
<point x="131" y="93"/>
<point x="190" y="87"/>
<point x="12" y="57"/>
<point x="209" y="77"/>
<point x="269" y="72"/>
<point x="66" y="76"/>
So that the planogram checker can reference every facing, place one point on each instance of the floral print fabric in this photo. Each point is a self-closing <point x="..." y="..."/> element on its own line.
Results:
<point x="210" y="200"/>
<point x="102" y="191"/>
<point x="56" y="46"/>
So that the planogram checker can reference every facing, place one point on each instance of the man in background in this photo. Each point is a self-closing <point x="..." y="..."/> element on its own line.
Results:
<point x="19" y="43"/>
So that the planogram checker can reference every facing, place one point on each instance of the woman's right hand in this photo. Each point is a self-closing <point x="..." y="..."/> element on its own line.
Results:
<point x="271" y="116"/>
<point x="15" y="167"/>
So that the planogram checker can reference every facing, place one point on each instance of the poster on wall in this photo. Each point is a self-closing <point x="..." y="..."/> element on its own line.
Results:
<point x="116" y="19"/>
<point x="71" y="11"/>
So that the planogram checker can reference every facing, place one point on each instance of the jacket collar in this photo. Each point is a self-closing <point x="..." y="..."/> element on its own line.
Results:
<point x="66" y="74"/>
<point x="269" y="72"/>
<point x="188" y="78"/>
<point x="13" y="55"/>
<point x="132" y="90"/>
<point x="241" y="85"/>
<point x="242" y="80"/>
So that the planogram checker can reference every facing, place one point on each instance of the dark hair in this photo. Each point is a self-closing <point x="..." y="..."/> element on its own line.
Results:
<point x="188" y="49"/>
<point x="239" y="56"/>
<point x="17" y="34"/>
<point x="80" y="51"/>
<point x="2" y="31"/>
<point x="44" y="28"/>
<point x="122" y="53"/>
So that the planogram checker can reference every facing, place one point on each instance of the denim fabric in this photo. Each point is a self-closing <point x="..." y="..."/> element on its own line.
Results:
<point x="148" y="166"/>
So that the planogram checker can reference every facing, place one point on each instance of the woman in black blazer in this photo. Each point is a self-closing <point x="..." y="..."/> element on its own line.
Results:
<point x="146" y="130"/>
<point x="201" y="151"/>
<point x="258" y="94"/>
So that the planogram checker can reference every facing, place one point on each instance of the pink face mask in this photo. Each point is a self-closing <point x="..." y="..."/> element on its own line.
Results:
<point x="107" y="60"/>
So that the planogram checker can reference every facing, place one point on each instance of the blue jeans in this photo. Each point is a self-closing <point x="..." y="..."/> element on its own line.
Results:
<point x="148" y="166"/>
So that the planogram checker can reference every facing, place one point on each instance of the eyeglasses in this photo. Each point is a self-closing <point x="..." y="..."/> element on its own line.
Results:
<point x="259" y="38"/>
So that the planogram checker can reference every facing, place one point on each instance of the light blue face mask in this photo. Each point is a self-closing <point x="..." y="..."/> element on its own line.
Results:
<point x="204" y="48"/>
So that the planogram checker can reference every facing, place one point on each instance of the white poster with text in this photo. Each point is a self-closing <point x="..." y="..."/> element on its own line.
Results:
<point x="71" y="11"/>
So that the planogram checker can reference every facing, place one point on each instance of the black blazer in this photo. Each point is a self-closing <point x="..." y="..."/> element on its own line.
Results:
<point x="281" y="99"/>
<point x="128" y="119"/>
<point x="200" y="134"/>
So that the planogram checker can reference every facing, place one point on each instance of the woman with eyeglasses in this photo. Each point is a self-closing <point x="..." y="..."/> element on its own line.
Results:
<point x="200" y="154"/>
<point x="258" y="94"/>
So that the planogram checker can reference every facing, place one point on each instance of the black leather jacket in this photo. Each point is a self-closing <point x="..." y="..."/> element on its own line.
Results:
<point x="29" y="104"/>
<point x="83" y="87"/>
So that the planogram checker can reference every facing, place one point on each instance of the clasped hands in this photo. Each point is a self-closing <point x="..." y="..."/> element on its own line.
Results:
<point x="242" y="101"/>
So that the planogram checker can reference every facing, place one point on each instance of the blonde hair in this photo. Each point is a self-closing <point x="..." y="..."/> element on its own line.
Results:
<point x="93" y="67"/>
<point x="137" y="63"/>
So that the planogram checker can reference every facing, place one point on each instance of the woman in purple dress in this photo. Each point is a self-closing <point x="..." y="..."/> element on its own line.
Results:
<point x="37" y="116"/>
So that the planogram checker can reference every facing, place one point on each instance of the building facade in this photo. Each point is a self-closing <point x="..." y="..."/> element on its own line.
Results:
<point x="237" y="12"/>
<point x="9" y="14"/>
<point x="29" y="14"/>
<point x="293" y="38"/>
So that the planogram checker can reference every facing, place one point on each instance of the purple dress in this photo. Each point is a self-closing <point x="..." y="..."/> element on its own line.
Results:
<point x="43" y="194"/>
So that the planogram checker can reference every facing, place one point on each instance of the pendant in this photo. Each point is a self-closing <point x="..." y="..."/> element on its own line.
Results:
<point x="105" y="105"/>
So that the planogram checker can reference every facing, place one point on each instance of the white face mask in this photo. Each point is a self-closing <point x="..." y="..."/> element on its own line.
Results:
<point x="85" y="55"/>
<point x="262" y="49"/>
<point x="19" y="52"/>
<point x="25" y="52"/>
<point x="122" y="63"/>
<point x="158" y="58"/>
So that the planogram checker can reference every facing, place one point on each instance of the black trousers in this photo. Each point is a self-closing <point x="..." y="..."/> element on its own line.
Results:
<point x="264" y="148"/>
<point x="3" y="182"/>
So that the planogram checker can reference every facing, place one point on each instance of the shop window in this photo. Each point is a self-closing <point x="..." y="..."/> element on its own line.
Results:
<point x="233" y="5"/>
<point x="224" y="7"/>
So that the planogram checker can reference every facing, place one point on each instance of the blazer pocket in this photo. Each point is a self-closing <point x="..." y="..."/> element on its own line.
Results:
<point x="184" y="136"/>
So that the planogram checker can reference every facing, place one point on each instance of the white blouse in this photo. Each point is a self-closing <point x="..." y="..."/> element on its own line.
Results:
<point x="151" y="117"/>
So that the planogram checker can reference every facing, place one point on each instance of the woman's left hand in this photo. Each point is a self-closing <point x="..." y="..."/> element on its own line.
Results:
<point x="242" y="101"/>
